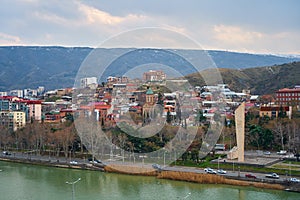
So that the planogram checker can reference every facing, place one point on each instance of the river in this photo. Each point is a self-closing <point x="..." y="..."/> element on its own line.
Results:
<point x="30" y="182"/>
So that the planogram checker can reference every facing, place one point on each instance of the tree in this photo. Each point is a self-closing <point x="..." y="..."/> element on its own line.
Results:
<point x="256" y="135"/>
<point x="200" y="118"/>
<point x="64" y="138"/>
<point x="169" y="117"/>
<point x="281" y="113"/>
<point x="195" y="155"/>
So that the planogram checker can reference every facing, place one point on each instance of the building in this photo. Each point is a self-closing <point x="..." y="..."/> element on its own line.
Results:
<point x="273" y="111"/>
<point x="85" y="82"/>
<point x="16" y="93"/>
<point x="154" y="76"/>
<point x="169" y="104"/>
<point x="35" y="109"/>
<point x="30" y="92"/>
<point x="3" y="94"/>
<point x="288" y="96"/>
<point x="119" y="79"/>
<point x="149" y="103"/>
<point x="13" y="120"/>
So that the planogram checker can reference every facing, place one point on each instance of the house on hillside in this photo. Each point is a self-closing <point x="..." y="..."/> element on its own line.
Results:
<point x="274" y="111"/>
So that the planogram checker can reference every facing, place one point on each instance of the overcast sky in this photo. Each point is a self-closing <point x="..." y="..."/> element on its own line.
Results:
<point x="256" y="26"/>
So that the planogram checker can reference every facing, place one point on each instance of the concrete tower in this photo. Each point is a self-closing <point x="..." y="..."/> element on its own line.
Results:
<point x="240" y="131"/>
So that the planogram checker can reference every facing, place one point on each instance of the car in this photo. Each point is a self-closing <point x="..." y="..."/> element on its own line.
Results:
<point x="157" y="166"/>
<point x="267" y="153"/>
<point x="210" y="171"/>
<point x="73" y="162"/>
<point x="294" y="180"/>
<point x="282" y="152"/>
<point x="221" y="171"/>
<point x="7" y="153"/>
<point x="250" y="176"/>
<point x="272" y="175"/>
<point x="95" y="161"/>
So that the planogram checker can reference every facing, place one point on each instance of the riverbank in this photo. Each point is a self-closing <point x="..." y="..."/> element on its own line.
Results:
<point x="171" y="175"/>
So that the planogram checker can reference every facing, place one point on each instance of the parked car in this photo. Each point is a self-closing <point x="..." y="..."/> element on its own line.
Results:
<point x="273" y="175"/>
<point x="210" y="171"/>
<point x="157" y="166"/>
<point x="221" y="171"/>
<point x="73" y="162"/>
<point x="294" y="180"/>
<point x="250" y="176"/>
<point x="267" y="153"/>
<point x="95" y="161"/>
<point x="281" y="152"/>
<point x="7" y="153"/>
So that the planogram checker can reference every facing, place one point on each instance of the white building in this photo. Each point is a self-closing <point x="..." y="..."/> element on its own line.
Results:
<point x="85" y="82"/>
<point x="2" y="94"/>
<point x="16" y="93"/>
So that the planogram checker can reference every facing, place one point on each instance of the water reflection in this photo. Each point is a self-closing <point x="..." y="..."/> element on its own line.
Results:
<point x="19" y="182"/>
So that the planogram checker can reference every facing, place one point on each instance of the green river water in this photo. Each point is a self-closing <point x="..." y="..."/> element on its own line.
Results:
<point x="30" y="182"/>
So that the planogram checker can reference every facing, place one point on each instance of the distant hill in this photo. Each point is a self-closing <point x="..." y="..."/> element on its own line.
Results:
<point x="56" y="67"/>
<point x="260" y="80"/>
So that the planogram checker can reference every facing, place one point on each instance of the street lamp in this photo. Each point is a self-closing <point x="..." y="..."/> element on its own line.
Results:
<point x="165" y="158"/>
<point x="73" y="187"/>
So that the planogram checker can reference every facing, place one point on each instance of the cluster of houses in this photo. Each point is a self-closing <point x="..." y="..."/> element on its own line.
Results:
<point x="135" y="101"/>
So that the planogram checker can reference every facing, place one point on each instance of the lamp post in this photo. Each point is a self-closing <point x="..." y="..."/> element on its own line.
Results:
<point x="165" y="158"/>
<point x="187" y="195"/>
<point x="73" y="187"/>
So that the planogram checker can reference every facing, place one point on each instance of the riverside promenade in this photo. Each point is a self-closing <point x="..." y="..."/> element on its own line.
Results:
<point x="192" y="174"/>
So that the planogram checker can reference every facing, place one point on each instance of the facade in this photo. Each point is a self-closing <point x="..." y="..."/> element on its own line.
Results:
<point x="3" y="94"/>
<point x="288" y="96"/>
<point x="85" y="82"/>
<point x="273" y="111"/>
<point x="150" y="101"/>
<point x="35" y="110"/>
<point x="13" y="120"/>
<point x="154" y="76"/>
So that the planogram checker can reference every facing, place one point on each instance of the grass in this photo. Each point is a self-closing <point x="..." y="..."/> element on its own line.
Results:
<point x="280" y="166"/>
<point x="291" y="162"/>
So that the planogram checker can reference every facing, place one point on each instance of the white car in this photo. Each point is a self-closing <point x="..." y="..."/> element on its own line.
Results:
<point x="294" y="180"/>
<point x="73" y="162"/>
<point x="221" y="171"/>
<point x="210" y="171"/>
<point x="273" y="175"/>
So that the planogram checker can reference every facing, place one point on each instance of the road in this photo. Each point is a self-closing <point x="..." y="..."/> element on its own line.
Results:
<point x="61" y="160"/>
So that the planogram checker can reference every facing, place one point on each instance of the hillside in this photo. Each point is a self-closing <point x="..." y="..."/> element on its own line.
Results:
<point x="260" y="80"/>
<point x="56" y="67"/>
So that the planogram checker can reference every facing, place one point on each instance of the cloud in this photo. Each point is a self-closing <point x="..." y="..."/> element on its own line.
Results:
<point x="6" y="39"/>
<point x="95" y="16"/>
<point x="235" y="35"/>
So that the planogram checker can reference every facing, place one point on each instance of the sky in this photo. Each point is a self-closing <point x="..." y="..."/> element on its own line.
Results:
<point x="253" y="26"/>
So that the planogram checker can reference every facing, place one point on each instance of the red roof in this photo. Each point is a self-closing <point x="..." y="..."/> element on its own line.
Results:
<point x="274" y="108"/>
<point x="288" y="90"/>
<point x="7" y="97"/>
